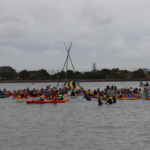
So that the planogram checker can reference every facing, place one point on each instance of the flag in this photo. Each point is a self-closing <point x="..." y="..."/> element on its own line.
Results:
<point x="64" y="84"/>
<point x="77" y="83"/>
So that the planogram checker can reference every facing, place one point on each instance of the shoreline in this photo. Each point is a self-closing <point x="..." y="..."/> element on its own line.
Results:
<point x="64" y="80"/>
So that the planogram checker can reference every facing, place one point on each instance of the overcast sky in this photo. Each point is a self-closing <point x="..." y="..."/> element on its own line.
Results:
<point x="111" y="33"/>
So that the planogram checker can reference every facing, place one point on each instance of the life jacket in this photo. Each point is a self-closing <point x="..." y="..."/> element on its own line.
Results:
<point x="91" y="93"/>
<point x="42" y="97"/>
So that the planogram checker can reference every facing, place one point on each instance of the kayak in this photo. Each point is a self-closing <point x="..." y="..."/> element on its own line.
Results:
<point x="113" y="94"/>
<point x="19" y="99"/>
<point x="34" y="96"/>
<point x="9" y="95"/>
<point x="94" y="96"/>
<point x="147" y="97"/>
<point x="125" y="98"/>
<point x="137" y="95"/>
<point x="3" y="96"/>
<point x="65" y="99"/>
<point x="43" y="102"/>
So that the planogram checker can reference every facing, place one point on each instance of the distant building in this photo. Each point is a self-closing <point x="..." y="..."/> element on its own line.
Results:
<point x="16" y="76"/>
<point x="34" y="72"/>
<point x="145" y="70"/>
<point x="122" y="71"/>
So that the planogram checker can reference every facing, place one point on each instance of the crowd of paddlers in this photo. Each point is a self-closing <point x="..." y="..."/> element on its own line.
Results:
<point x="108" y="95"/>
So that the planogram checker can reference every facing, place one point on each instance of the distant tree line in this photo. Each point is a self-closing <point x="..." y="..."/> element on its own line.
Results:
<point x="115" y="73"/>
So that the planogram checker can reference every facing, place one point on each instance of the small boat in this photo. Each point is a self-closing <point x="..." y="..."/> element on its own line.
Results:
<point x="141" y="85"/>
<point x="18" y="99"/>
<point x="126" y="98"/>
<point x="9" y="95"/>
<point x="65" y="99"/>
<point x="94" y="96"/>
<point x="147" y="97"/>
<point x="137" y="95"/>
<point x="34" y="96"/>
<point x="44" y="102"/>
<point x="2" y="96"/>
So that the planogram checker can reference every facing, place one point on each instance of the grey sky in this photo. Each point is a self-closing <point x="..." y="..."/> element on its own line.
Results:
<point x="111" y="33"/>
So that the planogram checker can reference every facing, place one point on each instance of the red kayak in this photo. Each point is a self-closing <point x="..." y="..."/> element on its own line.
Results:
<point x="35" y="96"/>
<point x="8" y="95"/>
<point x="147" y="97"/>
<point x="94" y="96"/>
<point x="43" y="102"/>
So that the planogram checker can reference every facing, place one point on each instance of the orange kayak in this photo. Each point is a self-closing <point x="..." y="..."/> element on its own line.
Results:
<point x="43" y="102"/>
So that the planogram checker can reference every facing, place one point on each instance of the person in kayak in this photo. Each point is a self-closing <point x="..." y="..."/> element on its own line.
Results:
<point x="120" y="95"/>
<point x="108" y="87"/>
<point x="60" y="96"/>
<point x="42" y="98"/>
<point x="95" y="92"/>
<point x="87" y="96"/>
<point x="55" y="97"/>
<point x="100" y="93"/>
<point x="130" y="95"/>
<point x="73" y="92"/>
<point x="146" y="84"/>
<point x="108" y="100"/>
<point x="112" y="87"/>
<point x="98" y="90"/>
<point x="91" y="93"/>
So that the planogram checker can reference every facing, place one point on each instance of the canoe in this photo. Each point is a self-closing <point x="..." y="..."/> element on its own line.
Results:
<point x="3" y="96"/>
<point x="43" y="102"/>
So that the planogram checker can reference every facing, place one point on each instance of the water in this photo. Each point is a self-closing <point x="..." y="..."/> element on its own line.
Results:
<point x="75" y="125"/>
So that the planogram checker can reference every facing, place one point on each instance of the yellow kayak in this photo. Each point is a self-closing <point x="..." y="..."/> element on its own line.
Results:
<point x="19" y="99"/>
<point x="125" y="98"/>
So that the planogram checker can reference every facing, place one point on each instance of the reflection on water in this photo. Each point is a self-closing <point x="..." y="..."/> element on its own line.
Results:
<point x="75" y="125"/>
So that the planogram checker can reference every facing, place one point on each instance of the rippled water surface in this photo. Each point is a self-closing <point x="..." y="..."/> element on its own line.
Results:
<point x="76" y="124"/>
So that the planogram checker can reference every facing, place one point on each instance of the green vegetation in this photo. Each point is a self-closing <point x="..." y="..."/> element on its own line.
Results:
<point x="138" y="74"/>
<point x="25" y="74"/>
<point x="8" y="73"/>
<point x="7" y="69"/>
